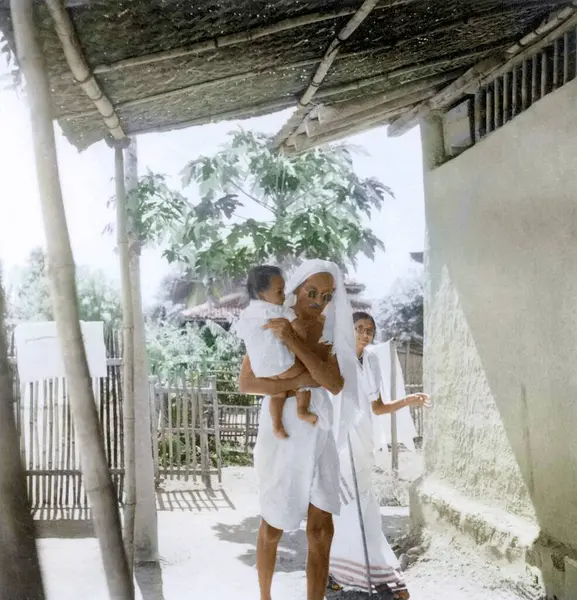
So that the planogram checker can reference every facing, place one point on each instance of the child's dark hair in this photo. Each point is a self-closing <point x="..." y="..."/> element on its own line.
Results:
<point x="259" y="278"/>
<point x="364" y="316"/>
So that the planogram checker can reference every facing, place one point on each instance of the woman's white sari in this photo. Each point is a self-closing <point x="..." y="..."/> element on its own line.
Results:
<point x="348" y="565"/>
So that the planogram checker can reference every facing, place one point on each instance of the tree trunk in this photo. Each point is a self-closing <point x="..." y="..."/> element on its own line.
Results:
<point x="127" y="360"/>
<point x="99" y="487"/>
<point x="20" y="576"/>
<point x="146" y="524"/>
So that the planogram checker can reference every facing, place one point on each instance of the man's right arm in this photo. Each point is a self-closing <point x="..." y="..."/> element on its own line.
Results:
<point x="250" y="384"/>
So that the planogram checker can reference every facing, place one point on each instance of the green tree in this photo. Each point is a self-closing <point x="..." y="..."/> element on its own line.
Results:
<point x="313" y="205"/>
<point x="400" y="314"/>
<point x="98" y="298"/>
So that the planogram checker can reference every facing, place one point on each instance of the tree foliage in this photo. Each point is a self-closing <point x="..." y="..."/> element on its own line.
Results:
<point x="313" y="205"/>
<point x="29" y="295"/>
<point x="400" y="314"/>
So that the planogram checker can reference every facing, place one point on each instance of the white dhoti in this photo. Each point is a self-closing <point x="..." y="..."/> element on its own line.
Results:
<point x="300" y="470"/>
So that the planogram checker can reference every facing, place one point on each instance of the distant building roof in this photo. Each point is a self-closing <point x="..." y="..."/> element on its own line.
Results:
<point x="228" y="307"/>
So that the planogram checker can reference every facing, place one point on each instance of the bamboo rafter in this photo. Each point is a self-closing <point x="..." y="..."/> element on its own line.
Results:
<point x="80" y="69"/>
<point x="329" y="57"/>
<point x="303" y="143"/>
<point x="557" y="24"/>
<point x="247" y="36"/>
<point x="314" y="128"/>
<point x="323" y="115"/>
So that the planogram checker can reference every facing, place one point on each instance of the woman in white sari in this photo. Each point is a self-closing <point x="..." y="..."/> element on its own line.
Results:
<point x="348" y="561"/>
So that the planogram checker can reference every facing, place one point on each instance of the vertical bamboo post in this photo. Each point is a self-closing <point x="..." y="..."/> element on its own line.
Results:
<point x="146" y="523"/>
<point x="154" y="426"/>
<point x="556" y="64"/>
<point x="193" y="418"/>
<point x="497" y="115"/>
<point x="524" y="84"/>
<point x="212" y="381"/>
<point x="65" y="305"/>
<point x="506" y="77"/>
<point x="514" y="92"/>
<point x="20" y="575"/>
<point x="477" y="114"/>
<point x="566" y="58"/>
<point x="534" y="85"/>
<point x="394" y="433"/>
<point x="128" y="358"/>
<point x="544" y="73"/>
<point x="489" y="110"/>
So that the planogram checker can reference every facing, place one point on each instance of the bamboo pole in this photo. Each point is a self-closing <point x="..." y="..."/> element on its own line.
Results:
<point x="65" y="305"/>
<point x="394" y="431"/>
<point x="343" y="110"/>
<point x="566" y="57"/>
<point x="387" y="109"/>
<point x="303" y="143"/>
<point x="477" y="115"/>
<point x="20" y="575"/>
<point x="524" y="85"/>
<point x="329" y="57"/>
<point x="146" y="522"/>
<point x="359" y="84"/>
<point x="80" y="69"/>
<point x="490" y="68"/>
<point x="127" y="359"/>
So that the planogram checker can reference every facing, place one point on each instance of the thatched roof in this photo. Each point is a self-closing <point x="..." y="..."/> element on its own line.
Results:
<point x="165" y="64"/>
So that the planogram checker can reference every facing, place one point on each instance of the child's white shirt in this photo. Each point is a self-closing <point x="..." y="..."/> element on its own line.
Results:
<point x="268" y="356"/>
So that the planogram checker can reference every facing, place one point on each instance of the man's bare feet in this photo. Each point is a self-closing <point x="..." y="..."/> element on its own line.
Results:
<point x="280" y="432"/>
<point x="309" y="417"/>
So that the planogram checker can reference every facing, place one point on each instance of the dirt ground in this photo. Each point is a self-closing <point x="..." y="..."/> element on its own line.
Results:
<point x="207" y="547"/>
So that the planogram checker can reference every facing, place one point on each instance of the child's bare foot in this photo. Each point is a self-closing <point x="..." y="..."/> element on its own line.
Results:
<point x="280" y="432"/>
<point x="309" y="417"/>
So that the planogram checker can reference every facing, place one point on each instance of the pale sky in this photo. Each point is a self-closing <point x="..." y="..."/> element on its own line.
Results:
<point x="87" y="185"/>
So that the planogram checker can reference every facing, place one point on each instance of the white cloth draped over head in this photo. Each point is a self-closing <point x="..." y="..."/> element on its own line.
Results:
<point x="339" y="331"/>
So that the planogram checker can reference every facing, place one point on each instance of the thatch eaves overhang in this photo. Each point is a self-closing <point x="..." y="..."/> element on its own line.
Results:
<point x="159" y="65"/>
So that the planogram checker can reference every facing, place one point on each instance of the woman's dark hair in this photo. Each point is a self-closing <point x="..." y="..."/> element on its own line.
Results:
<point x="259" y="279"/>
<point x="364" y="316"/>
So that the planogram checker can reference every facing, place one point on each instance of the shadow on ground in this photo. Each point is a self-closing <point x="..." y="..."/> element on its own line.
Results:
<point x="149" y="579"/>
<point x="200" y="500"/>
<point x="292" y="549"/>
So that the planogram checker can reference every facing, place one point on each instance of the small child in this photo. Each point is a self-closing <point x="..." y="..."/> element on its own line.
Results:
<point x="269" y="357"/>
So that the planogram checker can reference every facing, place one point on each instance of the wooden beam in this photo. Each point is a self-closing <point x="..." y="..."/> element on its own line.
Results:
<point x="242" y="37"/>
<point x="329" y="57"/>
<point x="359" y="84"/>
<point x="343" y="110"/>
<point x="80" y="69"/>
<point x="484" y="71"/>
<point x="303" y="143"/>
<point x="315" y="128"/>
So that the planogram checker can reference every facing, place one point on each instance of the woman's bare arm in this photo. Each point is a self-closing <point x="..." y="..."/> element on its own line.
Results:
<point x="249" y="383"/>
<point x="381" y="408"/>
<point x="325" y="372"/>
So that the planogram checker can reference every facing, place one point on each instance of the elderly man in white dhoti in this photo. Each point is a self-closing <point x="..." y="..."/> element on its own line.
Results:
<point x="299" y="476"/>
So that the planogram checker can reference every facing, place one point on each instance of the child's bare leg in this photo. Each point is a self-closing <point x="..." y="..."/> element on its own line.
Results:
<point x="276" y="407"/>
<point x="303" y="403"/>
